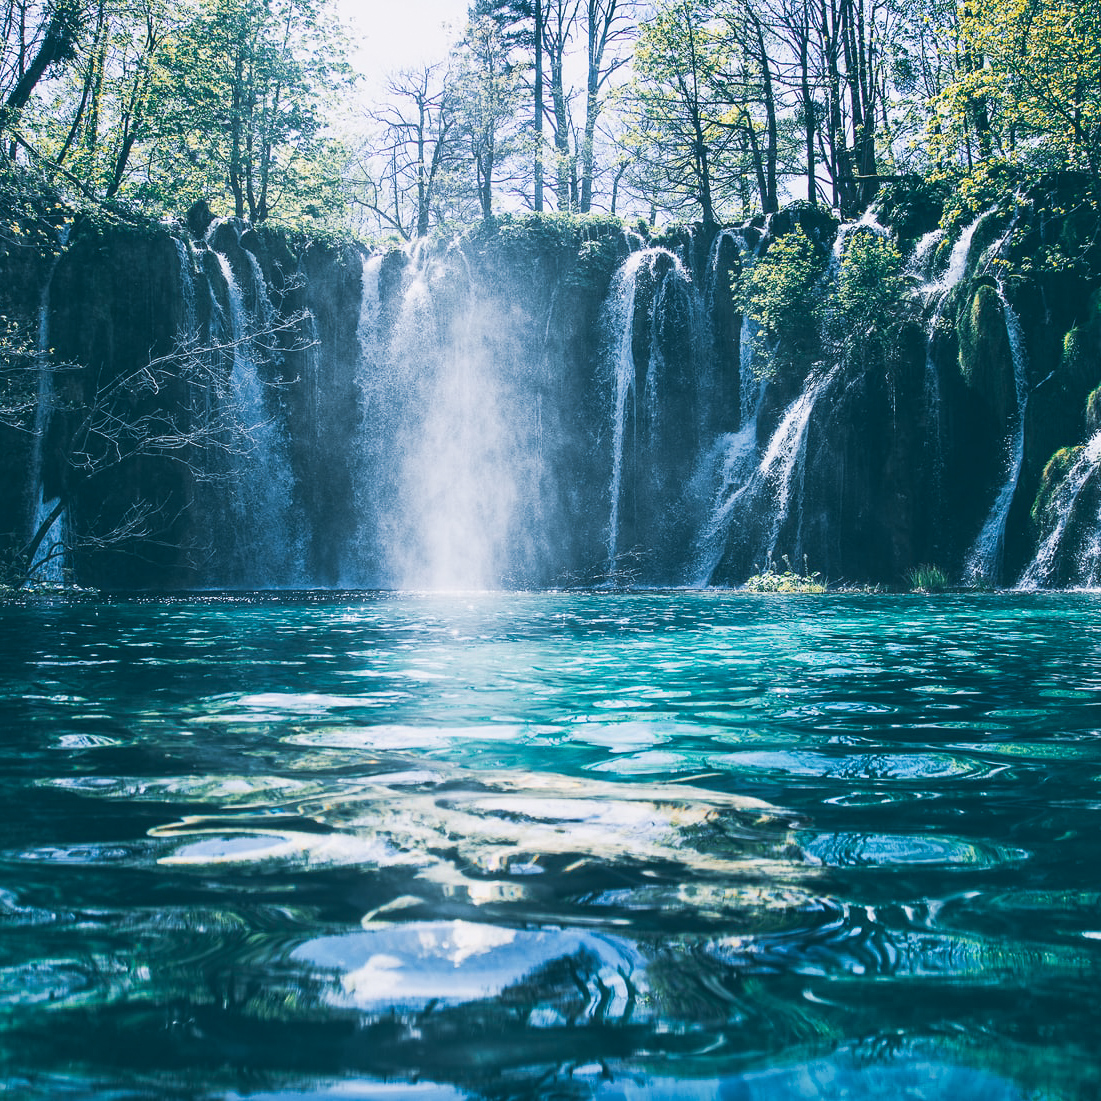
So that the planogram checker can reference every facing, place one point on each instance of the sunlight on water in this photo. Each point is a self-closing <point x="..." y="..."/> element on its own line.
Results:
<point x="614" y="845"/>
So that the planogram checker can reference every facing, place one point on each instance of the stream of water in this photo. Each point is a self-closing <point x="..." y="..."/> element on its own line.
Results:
<point x="567" y="845"/>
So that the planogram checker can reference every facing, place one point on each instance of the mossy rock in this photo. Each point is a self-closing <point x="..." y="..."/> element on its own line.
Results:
<point x="1093" y="411"/>
<point x="912" y="206"/>
<point x="1076" y="364"/>
<point x="1054" y="473"/>
<point x="985" y="358"/>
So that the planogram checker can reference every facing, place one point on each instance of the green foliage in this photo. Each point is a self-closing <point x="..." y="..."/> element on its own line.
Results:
<point x="1036" y="96"/>
<point x="991" y="185"/>
<point x="982" y="337"/>
<point x="870" y="289"/>
<point x="166" y="101"/>
<point x="771" y="580"/>
<point x="927" y="579"/>
<point x="782" y="292"/>
<point x="912" y="205"/>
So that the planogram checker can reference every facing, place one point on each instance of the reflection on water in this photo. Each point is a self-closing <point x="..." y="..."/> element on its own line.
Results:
<point x="551" y="845"/>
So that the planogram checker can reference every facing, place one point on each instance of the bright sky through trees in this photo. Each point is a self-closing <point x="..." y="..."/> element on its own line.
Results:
<point x="388" y="35"/>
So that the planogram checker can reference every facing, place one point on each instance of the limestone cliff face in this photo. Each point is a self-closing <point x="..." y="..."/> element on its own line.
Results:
<point x="545" y="402"/>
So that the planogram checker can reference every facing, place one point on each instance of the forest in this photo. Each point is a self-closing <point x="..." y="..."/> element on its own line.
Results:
<point x="676" y="111"/>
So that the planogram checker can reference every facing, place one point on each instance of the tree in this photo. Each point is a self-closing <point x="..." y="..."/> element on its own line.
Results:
<point x="1030" y="87"/>
<point x="607" y="24"/>
<point x="39" y="35"/>
<point x="489" y="85"/>
<point x="118" y="73"/>
<point x="748" y="85"/>
<point x="559" y="21"/>
<point x="676" y="124"/>
<point x="247" y="95"/>
<point x="416" y="145"/>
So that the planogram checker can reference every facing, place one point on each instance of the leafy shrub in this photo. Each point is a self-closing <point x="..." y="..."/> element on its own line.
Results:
<point x="771" y="580"/>
<point x="782" y="292"/>
<point x="870" y="289"/>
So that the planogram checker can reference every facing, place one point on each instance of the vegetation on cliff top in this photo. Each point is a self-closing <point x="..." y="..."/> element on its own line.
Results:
<point x="687" y="110"/>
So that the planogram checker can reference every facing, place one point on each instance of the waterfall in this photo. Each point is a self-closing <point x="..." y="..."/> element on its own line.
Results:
<point x="657" y="420"/>
<point x="937" y="292"/>
<point x="620" y="319"/>
<point x="784" y="461"/>
<point x="365" y="570"/>
<point x="189" y="314"/>
<point x="867" y="223"/>
<point x="958" y="257"/>
<point x="759" y="493"/>
<point x="983" y="561"/>
<point x="451" y="471"/>
<point x="264" y="543"/>
<point x="52" y="547"/>
<point x="1041" y="569"/>
<point x="734" y="454"/>
<point x="925" y="250"/>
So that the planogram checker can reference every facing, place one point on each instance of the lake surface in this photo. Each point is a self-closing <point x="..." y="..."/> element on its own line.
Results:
<point x="565" y="845"/>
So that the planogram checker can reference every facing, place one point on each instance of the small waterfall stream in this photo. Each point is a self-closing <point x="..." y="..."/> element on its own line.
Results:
<point x="1040" y="571"/>
<point x="656" y="417"/>
<point x="51" y="552"/>
<point x="264" y="542"/>
<point x="620" y="314"/>
<point x="935" y="292"/>
<point x="984" y="560"/>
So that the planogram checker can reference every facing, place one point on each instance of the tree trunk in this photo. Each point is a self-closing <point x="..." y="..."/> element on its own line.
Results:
<point x="539" y="106"/>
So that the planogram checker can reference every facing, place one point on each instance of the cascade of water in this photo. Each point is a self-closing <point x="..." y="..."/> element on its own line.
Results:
<point x="51" y="549"/>
<point x="365" y="569"/>
<point x="711" y="278"/>
<point x="867" y="223"/>
<point x="450" y="477"/>
<point x="936" y="291"/>
<point x="189" y="317"/>
<point x="958" y="260"/>
<point x="620" y="315"/>
<point x="983" y="561"/>
<point x="633" y="414"/>
<point x="1040" y="570"/>
<point x="921" y="261"/>
<point x="734" y="454"/>
<point x="784" y="460"/>
<point x="758" y="492"/>
<point x="267" y="547"/>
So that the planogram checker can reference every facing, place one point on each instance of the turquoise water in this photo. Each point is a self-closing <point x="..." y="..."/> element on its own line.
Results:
<point x="687" y="844"/>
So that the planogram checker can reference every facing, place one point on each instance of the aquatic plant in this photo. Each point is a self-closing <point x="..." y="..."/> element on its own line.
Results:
<point x="772" y="580"/>
<point x="927" y="579"/>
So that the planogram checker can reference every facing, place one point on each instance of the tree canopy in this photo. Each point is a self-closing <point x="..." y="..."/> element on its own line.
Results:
<point x="674" y="109"/>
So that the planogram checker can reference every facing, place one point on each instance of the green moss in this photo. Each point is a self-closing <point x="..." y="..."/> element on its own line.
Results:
<point x="1093" y="411"/>
<point x="1075" y="364"/>
<point x="1054" y="473"/>
<point x="912" y="205"/>
<point x="983" y="341"/>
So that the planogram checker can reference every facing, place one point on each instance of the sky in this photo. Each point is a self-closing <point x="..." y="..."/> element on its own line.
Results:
<point x="389" y="35"/>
